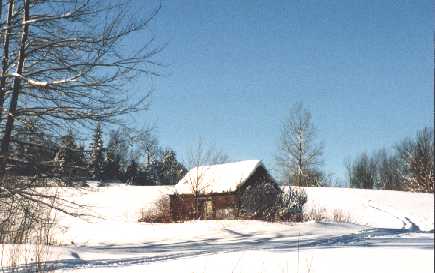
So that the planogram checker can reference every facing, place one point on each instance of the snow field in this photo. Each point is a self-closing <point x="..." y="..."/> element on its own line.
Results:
<point x="387" y="234"/>
<point x="376" y="208"/>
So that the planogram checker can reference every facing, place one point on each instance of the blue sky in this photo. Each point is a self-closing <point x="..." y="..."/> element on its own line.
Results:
<point x="233" y="69"/>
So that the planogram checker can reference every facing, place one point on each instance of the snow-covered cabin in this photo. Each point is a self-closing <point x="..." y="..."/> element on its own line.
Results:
<point x="221" y="191"/>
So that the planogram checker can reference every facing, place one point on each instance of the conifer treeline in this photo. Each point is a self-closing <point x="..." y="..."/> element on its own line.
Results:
<point x="128" y="156"/>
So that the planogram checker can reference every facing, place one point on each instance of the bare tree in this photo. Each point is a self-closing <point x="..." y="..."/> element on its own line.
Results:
<point x="363" y="172"/>
<point x="66" y="64"/>
<point x="409" y="166"/>
<point x="205" y="154"/>
<point x="388" y="171"/>
<point x="70" y="63"/>
<point x="299" y="155"/>
<point x="348" y="167"/>
<point x="200" y="157"/>
<point x="7" y="29"/>
<point x="416" y="158"/>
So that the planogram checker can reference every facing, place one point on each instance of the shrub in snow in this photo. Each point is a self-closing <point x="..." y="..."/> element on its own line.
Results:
<point x="160" y="212"/>
<point x="321" y="214"/>
<point x="291" y="204"/>
<point x="340" y="216"/>
<point x="266" y="202"/>
<point x="315" y="214"/>
<point x="260" y="201"/>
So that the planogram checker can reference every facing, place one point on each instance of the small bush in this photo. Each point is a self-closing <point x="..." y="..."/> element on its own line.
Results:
<point x="27" y="238"/>
<point x="160" y="212"/>
<point x="321" y="214"/>
<point x="315" y="214"/>
<point x="291" y="205"/>
<point x="260" y="201"/>
<point x="340" y="217"/>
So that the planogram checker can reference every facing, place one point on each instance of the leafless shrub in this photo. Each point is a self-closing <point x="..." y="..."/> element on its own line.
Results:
<point x="315" y="214"/>
<point x="341" y="217"/>
<point x="27" y="221"/>
<point x="321" y="214"/>
<point x="26" y="210"/>
<point x="160" y="212"/>
<point x="27" y="240"/>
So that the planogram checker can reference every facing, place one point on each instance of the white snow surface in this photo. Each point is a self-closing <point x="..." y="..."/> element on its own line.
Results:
<point x="375" y="208"/>
<point x="217" y="178"/>
<point x="387" y="234"/>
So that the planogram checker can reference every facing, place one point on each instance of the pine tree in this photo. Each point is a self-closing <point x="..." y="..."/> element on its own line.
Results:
<point x="32" y="149"/>
<point x="131" y="173"/>
<point x="67" y="159"/>
<point x="172" y="170"/>
<point x="116" y="153"/>
<point x="97" y="156"/>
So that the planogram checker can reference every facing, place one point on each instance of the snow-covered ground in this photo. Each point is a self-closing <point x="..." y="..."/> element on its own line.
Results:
<point x="389" y="232"/>
<point x="381" y="209"/>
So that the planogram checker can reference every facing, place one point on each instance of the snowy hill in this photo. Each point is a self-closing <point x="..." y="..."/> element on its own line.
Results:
<point x="376" y="208"/>
<point x="386" y="234"/>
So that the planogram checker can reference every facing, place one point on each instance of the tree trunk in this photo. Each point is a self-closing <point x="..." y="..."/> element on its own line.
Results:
<point x="5" y="58"/>
<point x="15" y="91"/>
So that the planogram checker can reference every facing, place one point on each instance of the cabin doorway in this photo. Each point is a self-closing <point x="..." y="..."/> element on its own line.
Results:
<point x="206" y="208"/>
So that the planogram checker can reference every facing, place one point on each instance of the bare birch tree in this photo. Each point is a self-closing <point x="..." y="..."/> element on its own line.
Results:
<point x="299" y="155"/>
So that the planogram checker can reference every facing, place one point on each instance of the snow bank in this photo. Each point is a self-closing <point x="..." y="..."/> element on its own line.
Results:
<point x="112" y="210"/>
<point x="376" y="208"/>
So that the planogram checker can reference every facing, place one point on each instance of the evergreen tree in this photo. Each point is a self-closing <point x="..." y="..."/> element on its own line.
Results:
<point x="131" y="173"/>
<point x="116" y="153"/>
<point x="32" y="149"/>
<point x="172" y="170"/>
<point x="97" y="156"/>
<point x="67" y="159"/>
<point x="153" y="173"/>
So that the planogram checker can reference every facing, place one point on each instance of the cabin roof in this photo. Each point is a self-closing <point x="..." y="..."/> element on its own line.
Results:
<point x="219" y="178"/>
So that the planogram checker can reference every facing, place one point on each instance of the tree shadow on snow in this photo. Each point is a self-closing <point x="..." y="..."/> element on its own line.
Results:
<point x="238" y="241"/>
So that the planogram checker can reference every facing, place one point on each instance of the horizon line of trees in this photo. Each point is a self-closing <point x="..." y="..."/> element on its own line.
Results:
<point x="129" y="156"/>
<point x="406" y="166"/>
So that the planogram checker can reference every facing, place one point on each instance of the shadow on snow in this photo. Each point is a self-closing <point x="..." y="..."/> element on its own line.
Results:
<point x="152" y="252"/>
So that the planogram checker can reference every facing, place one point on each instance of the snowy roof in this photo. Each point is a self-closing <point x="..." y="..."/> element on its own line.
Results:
<point x="217" y="178"/>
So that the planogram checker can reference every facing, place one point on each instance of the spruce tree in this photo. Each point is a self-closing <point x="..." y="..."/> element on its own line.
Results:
<point x="32" y="149"/>
<point x="116" y="153"/>
<point x="97" y="156"/>
<point x="131" y="173"/>
<point x="172" y="170"/>
<point x="67" y="158"/>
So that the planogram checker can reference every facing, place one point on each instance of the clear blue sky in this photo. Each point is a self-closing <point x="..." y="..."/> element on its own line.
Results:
<point x="363" y="69"/>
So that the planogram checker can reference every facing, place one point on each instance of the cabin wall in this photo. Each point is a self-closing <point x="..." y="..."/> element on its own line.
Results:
<point x="210" y="206"/>
<point x="182" y="207"/>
